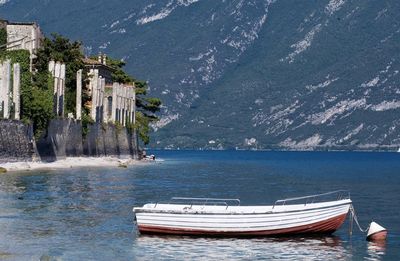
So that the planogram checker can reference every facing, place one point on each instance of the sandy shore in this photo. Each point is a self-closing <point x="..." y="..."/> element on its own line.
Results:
<point x="69" y="163"/>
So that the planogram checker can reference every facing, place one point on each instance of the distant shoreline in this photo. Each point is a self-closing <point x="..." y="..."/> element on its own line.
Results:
<point x="391" y="150"/>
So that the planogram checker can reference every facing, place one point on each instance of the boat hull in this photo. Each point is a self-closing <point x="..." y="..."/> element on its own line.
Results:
<point x="270" y="221"/>
<point x="323" y="227"/>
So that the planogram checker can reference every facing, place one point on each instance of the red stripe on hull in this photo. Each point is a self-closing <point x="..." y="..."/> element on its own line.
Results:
<point x="323" y="227"/>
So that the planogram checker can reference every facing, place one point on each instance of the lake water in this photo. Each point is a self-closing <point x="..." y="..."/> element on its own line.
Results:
<point x="86" y="214"/>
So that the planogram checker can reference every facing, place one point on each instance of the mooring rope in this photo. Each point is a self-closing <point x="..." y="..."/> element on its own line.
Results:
<point x="354" y="217"/>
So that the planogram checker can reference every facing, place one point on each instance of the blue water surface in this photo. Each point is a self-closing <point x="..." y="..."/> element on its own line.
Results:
<point x="86" y="213"/>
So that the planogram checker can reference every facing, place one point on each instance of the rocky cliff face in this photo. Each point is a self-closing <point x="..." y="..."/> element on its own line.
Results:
<point x="249" y="74"/>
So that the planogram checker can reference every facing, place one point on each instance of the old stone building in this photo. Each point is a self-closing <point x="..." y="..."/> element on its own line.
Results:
<point x="100" y="64"/>
<point x="98" y="69"/>
<point x="24" y="36"/>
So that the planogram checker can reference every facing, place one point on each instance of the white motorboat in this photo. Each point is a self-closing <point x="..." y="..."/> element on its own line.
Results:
<point x="226" y="217"/>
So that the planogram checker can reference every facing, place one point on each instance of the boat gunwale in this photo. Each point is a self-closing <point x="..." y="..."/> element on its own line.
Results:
<point x="139" y="210"/>
<point x="254" y="224"/>
<point x="237" y="218"/>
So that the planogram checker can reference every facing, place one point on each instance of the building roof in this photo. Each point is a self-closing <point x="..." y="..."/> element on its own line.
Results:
<point x="92" y="62"/>
<point x="88" y="61"/>
<point x="22" y="23"/>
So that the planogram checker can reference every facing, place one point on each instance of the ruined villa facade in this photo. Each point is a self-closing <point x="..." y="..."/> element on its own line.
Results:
<point x="110" y="103"/>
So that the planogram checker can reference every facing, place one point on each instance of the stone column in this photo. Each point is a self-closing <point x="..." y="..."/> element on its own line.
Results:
<point x="94" y="84"/>
<point x="105" y="109"/>
<point x="134" y="104"/>
<point x="126" y="104"/>
<point x="79" y="95"/>
<point x="97" y="99"/>
<point x="57" y="73"/>
<point x="6" y="86"/>
<point x="91" y="89"/>
<point x="129" y="102"/>
<point x="131" y="99"/>
<point x="2" y="87"/>
<point x="101" y="99"/>
<point x="123" y="106"/>
<point x="119" y="115"/>
<point x="62" y="91"/>
<point x="52" y="64"/>
<point x="16" y="90"/>
<point x="114" y="102"/>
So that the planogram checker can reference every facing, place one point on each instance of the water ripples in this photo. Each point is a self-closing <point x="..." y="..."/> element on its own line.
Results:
<point x="86" y="214"/>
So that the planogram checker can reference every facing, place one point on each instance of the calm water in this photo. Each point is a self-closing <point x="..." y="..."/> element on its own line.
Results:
<point x="86" y="214"/>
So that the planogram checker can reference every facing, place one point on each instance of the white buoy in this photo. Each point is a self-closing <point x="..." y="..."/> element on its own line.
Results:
<point x="376" y="232"/>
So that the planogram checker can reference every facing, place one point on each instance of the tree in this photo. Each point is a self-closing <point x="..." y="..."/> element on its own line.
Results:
<point x="36" y="96"/>
<point x="146" y="107"/>
<point x="61" y="49"/>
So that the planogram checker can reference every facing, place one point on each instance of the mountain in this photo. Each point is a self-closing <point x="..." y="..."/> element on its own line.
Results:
<point x="255" y="74"/>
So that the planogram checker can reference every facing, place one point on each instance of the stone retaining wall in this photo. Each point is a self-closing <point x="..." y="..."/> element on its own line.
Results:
<point x="16" y="142"/>
<point x="64" y="139"/>
<point x="109" y="140"/>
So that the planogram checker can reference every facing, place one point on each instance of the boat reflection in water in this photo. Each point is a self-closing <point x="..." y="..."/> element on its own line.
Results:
<point x="280" y="248"/>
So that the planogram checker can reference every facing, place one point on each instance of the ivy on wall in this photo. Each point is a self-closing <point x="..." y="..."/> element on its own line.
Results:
<point x="36" y="94"/>
<point x="3" y="39"/>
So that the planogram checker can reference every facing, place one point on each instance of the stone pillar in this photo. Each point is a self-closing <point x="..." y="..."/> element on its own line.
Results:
<point x="91" y="89"/>
<point x="101" y="99"/>
<point x="105" y="109"/>
<point x="61" y="94"/>
<point x="123" y="101"/>
<point x="6" y="88"/>
<point x="129" y="103"/>
<point x="114" y="102"/>
<point x="94" y="83"/>
<point x="52" y="64"/>
<point x="96" y="93"/>
<point x="133" y="105"/>
<point x="2" y="87"/>
<point x="57" y="73"/>
<point x="119" y="115"/>
<point x="16" y="90"/>
<point x="79" y="95"/>
<point x="126" y="105"/>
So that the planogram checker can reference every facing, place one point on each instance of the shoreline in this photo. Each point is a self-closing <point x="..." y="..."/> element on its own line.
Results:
<point x="69" y="162"/>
